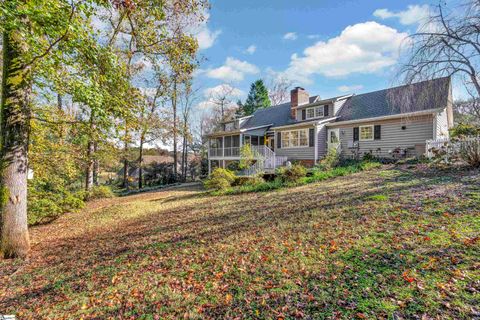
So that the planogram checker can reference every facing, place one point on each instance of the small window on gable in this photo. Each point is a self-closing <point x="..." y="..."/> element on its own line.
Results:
<point x="314" y="112"/>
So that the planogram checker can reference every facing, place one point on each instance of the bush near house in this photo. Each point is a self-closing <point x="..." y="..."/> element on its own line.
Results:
<point x="291" y="174"/>
<point x="295" y="176"/>
<point x="470" y="152"/>
<point x="220" y="179"/>
<point x="331" y="160"/>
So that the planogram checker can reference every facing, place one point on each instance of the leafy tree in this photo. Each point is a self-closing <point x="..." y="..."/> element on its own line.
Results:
<point x="32" y="33"/>
<point x="257" y="98"/>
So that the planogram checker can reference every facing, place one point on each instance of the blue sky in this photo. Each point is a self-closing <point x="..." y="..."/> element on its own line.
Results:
<point x="330" y="47"/>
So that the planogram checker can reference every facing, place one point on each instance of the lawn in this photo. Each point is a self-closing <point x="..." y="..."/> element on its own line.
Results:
<point x="390" y="243"/>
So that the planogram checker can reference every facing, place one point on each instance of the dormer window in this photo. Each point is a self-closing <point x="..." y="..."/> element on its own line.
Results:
<point x="315" y="112"/>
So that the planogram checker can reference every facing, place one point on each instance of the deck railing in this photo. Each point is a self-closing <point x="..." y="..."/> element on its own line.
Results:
<point x="448" y="148"/>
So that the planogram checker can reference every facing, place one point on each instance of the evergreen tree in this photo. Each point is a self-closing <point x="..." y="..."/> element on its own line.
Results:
<point x="257" y="98"/>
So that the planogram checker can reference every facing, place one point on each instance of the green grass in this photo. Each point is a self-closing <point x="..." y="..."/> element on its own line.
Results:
<point x="387" y="243"/>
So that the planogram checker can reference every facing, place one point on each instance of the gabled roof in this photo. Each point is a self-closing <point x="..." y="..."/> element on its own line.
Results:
<point x="276" y="116"/>
<point x="416" y="97"/>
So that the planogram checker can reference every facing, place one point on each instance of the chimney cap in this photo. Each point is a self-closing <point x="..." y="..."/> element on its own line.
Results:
<point x="298" y="88"/>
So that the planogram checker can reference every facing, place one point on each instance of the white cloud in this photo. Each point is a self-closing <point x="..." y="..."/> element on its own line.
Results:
<point x="223" y="89"/>
<point x="290" y="36"/>
<point x="232" y="70"/>
<point x="350" y="88"/>
<point x="415" y="14"/>
<point x="361" y="48"/>
<point x="205" y="37"/>
<point x="251" y="49"/>
<point x="313" y="36"/>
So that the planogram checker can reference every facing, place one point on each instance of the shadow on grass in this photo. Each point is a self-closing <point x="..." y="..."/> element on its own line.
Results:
<point x="206" y="221"/>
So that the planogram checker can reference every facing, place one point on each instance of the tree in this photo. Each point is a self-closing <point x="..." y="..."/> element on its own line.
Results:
<point x="222" y="100"/>
<point x="257" y="98"/>
<point x="32" y="33"/>
<point x="447" y="45"/>
<point x="279" y="90"/>
<point x="467" y="111"/>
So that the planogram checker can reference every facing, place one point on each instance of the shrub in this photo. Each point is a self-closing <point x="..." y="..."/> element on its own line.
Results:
<point x="331" y="160"/>
<point x="292" y="174"/>
<point x="464" y="130"/>
<point x="99" y="192"/>
<point x="220" y="179"/>
<point x="43" y="210"/>
<point x="368" y="156"/>
<point x="248" y="181"/>
<point x="470" y="151"/>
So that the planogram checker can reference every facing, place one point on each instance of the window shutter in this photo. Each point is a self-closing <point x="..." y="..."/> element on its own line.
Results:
<point x="311" y="137"/>
<point x="279" y="140"/>
<point x="355" y="134"/>
<point x="325" y="110"/>
<point x="304" y="114"/>
<point x="377" y="132"/>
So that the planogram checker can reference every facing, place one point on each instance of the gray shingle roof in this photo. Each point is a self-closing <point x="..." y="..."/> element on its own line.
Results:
<point x="276" y="115"/>
<point x="409" y="98"/>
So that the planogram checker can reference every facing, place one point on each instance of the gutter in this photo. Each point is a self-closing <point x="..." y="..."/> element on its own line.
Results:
<point x="253" y="128"/>
<point x="394" y="116"/>
<point x="313" y="123"/>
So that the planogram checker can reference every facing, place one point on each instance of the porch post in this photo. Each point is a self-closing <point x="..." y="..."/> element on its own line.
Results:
<point x="209" y="166"/>
<point x="223" y="147"/>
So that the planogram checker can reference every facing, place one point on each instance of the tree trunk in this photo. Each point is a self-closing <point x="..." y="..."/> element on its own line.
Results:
<point x="125" y="159"/>
<point x="174" y="106"/>
<point x="140" y="164"/>
<point x="90" y="166"/>
<point x="15" y="114"/>
<point x="96" y="165"/>
<point x="59" y="102"/>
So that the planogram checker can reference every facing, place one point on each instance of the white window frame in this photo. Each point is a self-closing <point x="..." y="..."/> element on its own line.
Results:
<point x="319" y="109"/>
<point x="360" y="133"/>
<point x="290" y="140"/>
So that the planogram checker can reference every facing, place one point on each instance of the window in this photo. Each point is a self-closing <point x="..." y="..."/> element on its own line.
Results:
<point x="333" y="136"/>
<point x="366" y="133"/>
<point x="314" y="112"/>
<point x="295" y="138"/>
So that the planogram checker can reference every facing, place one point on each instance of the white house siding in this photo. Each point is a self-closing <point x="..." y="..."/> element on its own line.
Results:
<point x="441" y="125"/>
<point x="321" y="141"/>
<point x="418" y="130"/>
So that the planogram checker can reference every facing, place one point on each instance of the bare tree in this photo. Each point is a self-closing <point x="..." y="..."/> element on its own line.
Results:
<point x="468" y="110"/>
<point x="222" y="99"/>
<point x="188" y="98"/>
<point x="279" y="90"/>
<point x="447" y="45"/>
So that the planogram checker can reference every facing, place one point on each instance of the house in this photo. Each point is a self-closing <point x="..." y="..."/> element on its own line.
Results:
<point x="389" y="123"/>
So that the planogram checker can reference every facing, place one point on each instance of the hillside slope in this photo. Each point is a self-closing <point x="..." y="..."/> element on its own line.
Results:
<point x="392" y="242"/>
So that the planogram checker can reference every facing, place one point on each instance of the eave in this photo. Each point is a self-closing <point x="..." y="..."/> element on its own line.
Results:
<point x="393" y="116"/>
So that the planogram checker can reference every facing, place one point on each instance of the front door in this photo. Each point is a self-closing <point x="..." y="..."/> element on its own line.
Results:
<point x="333" y="138"/>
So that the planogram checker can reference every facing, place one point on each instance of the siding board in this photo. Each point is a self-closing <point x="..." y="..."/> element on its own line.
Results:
<point x="418" y="130"/>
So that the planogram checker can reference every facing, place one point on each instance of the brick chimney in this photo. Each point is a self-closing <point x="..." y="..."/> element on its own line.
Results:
<point x="298" y="97"/>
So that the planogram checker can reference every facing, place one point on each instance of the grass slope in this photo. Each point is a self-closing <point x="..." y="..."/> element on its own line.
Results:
<point x="389" y="243"/>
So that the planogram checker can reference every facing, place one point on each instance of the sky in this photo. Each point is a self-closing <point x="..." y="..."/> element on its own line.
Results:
<point x="329" y="47"/>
